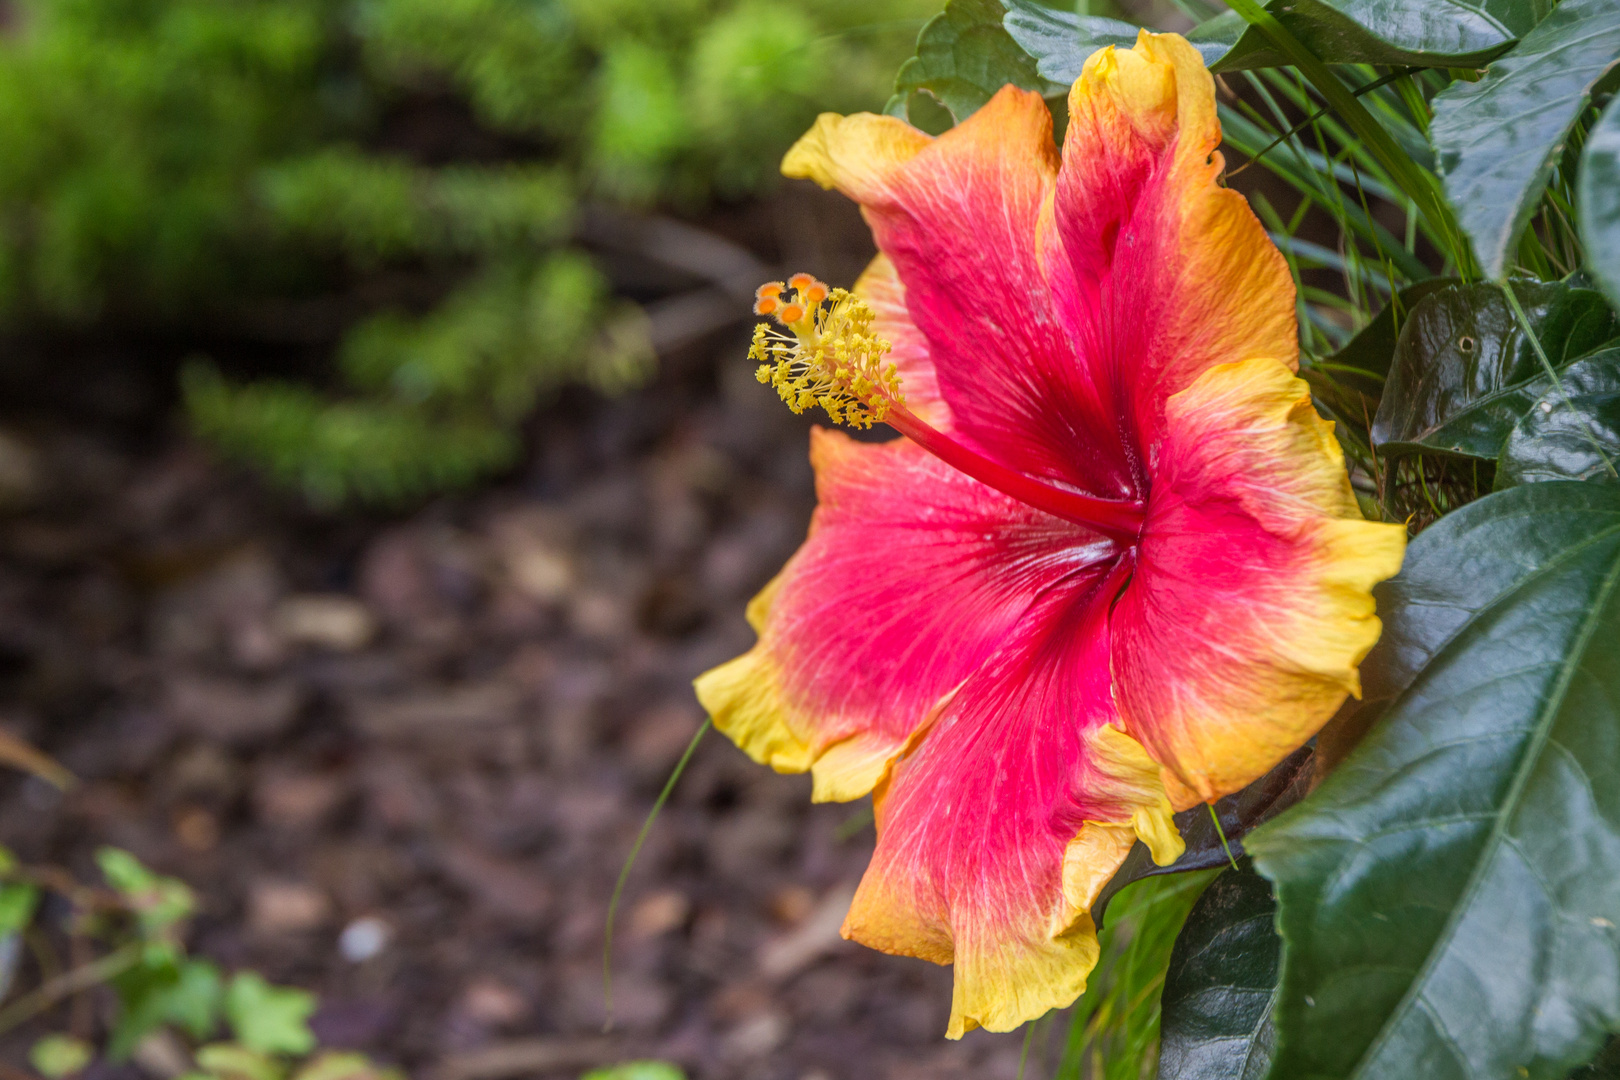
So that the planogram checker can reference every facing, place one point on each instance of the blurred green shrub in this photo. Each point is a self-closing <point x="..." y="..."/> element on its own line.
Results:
<point x="190" y="165"/>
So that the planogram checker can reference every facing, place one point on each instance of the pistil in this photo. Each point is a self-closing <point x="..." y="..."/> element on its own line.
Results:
<point x="833" y="359"/>
<point x="1114" y="518"/>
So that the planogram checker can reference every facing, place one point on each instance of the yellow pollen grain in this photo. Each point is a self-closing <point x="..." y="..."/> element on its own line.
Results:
<point x="831" y="357"/>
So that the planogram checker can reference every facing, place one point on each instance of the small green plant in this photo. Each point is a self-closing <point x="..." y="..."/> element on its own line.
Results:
<point x="637" y="1070"/>
<point x="136" y="922"/>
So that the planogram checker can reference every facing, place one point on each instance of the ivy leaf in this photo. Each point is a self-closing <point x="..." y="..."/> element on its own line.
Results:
<point x="964" y="56"/>
<point x="1262" y="800"/>
<point x="1496" y="140"/>
<point x="1447" y="896"/>
<point x="1421" y="33"/>
<point x="57" y="1056"/>
<point x="1597" y="200"/>
<point x="1221" y="984"/>
<point x="1464" y="373"/>
<point x="637" y="1070"/>
<point x="269" y="1019"/>
<point x="1572" y="432"/>
<point x="18" y="901"/>
<point x="160" y="903"/>
<point x="186" y="993"/>
<point x="231" y="1062"/>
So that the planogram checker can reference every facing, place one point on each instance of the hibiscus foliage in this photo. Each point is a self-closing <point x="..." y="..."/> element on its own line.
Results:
<point x="1444" y="180"/>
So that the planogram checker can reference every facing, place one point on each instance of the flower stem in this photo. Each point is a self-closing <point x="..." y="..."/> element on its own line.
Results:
<point x="1114" y="518"/>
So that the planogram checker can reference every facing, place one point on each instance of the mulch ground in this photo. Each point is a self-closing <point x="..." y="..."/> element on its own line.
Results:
<point x="439" y="732"/>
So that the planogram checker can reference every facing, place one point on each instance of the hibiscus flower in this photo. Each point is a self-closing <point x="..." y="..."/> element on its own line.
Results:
<point x="1114" y="568"/>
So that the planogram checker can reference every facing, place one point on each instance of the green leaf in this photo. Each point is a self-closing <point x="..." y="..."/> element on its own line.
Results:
<point x="1447" y="896"/>
<point x="194" y="1000"/>
<point x="1572" y="432"/>
<point x="159" y="903"/>
<point x="186" y="993"/>
<point x="1221" y="984"/>
<point x="1350" y="383"/>
<point x="637" y="1070"/>
<point x="1420" y="33"/>
<point x="56" y="1056"/>
<point x="18" y="901"/>
<point x="963" y="57"/>
<point x="1262" y="800"/>
<point x="1496" y="140"/>
<point x="269" y="1019"/>
<point x="1597" y="200"/>
<point x="233" y="1062"/>
<point x="1464" y="372"/>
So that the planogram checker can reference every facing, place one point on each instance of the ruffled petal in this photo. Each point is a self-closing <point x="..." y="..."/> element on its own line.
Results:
<point x="860" y="155"/>
<point x="1001" y="821"/>
<point x="909" y="579"/>
<point x="1251" y="606"/>
<point x="958" y="220"/>
<point x="1160" y="272"/>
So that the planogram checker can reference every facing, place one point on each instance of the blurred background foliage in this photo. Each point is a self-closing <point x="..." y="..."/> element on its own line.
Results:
<point x="391" y="187"/>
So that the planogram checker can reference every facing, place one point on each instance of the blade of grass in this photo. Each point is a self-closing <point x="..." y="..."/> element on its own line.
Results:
<point x="1303" y="124"/>
<point x="630" y="861"/>
<point x="1220" y="832"/>
<point x="1310" y="178"/>
<point x="1413" y="182"/>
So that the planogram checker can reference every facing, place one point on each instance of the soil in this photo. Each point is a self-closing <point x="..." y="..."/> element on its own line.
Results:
<point x="439" y="732"/>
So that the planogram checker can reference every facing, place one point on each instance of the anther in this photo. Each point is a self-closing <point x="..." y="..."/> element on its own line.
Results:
<point x="829" y="355"/>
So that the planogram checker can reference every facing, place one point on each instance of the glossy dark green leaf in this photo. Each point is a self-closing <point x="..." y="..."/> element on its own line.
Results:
<point x="1597" y="200"/>
<point x="964" y="56"/>
<point x="1449" y="897"/>
<point x="1216" y="1010"/>
<point x="1241" y="812"/>
<point x="1496" y="140"/>
<point x="1464" y="372"/>
<point x="1423" y="33"/>
<point x="1351" y="381"/>
<point x="1572" y="432"/>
